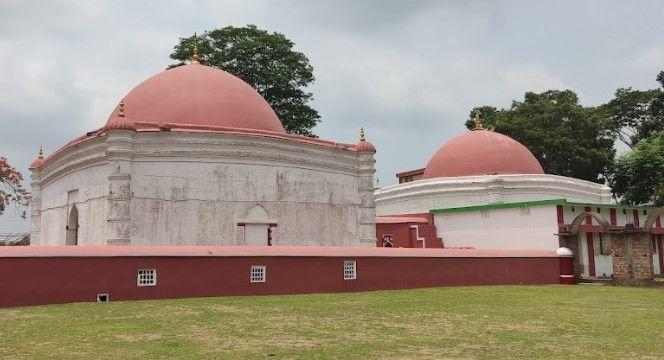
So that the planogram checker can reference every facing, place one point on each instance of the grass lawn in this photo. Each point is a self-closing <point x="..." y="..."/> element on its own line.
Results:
<point x="597" y="322"/>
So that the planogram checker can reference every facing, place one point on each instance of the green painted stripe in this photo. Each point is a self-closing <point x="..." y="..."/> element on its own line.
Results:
<point x="501" y="206"/>
<point x="520" y="204"/>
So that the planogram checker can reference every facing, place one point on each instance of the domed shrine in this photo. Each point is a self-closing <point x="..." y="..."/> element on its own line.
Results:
<point x="195" y="156"/>
<point x="481" y="152"/>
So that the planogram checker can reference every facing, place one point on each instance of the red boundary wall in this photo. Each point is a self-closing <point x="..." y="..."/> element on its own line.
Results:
<point x="35" y="280"/>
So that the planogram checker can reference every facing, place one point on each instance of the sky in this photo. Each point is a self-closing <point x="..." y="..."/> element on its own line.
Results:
<point x="407" y="71"/>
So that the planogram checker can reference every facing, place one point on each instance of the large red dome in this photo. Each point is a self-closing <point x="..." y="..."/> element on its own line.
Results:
<point x="199" y="95"/>
<point x="481" y="152"/>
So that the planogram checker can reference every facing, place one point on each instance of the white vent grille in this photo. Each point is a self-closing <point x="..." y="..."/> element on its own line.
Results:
<point x="257" y="274"/>
<point x="350" y="270"/>
<point x="147" y="277"/>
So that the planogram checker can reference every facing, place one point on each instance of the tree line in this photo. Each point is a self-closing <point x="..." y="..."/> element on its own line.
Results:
<point x="573" y="140"/>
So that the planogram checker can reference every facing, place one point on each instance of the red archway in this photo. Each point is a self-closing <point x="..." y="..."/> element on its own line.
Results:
<point x="590" y="241"/>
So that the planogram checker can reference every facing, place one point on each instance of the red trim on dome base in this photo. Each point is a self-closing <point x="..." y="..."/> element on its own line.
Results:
<point x="143" y="126"/>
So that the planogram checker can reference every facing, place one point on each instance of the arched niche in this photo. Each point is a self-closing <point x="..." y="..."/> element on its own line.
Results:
<point x="72" y="227"/>
<point x="257" y="226"/>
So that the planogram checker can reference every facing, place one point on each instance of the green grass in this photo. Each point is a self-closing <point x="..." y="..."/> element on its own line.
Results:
<point x="594" y="322"/>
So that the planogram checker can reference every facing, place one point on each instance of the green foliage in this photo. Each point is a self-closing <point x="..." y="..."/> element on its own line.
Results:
<point x="639" y="175"/>
<point x="267" y="62"/>
<point x="567" y="138"/>
<point x="635" y="114"/>
<point x="638" y="120"/>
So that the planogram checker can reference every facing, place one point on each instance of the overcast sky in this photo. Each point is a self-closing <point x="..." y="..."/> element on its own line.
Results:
<point x="408" y="71"/>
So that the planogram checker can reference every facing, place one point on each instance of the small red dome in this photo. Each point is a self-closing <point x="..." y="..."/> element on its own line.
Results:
<point x="481" y="152"/>
<point x="120" y="121"/>
<point x="365" y="146"/>
<point x="199" y="95"/>
<point x="37" y="163"/>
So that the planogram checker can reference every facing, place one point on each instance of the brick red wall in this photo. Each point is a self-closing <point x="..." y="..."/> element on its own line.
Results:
<point x="49" y="280"/>
<point x="403" y="236"/>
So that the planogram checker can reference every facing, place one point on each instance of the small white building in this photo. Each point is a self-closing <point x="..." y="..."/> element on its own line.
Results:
<point x="195" y="156"/>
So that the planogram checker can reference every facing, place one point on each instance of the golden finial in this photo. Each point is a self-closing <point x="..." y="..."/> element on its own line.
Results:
<point x="195" y="59"/>
<point x="121" y="110"/>
<point x="478" y="124"/>
<point x="41" y="152"/>
<point x="362" y="134"/>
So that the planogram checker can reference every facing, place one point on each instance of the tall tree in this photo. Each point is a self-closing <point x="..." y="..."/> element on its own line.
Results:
<point x="639" y="174"/>
<point x="567" y="138"/>
<point x="267" y="62"/>
<point x="11" y="189"/>
<point x="638" y="177"/>
<point x="635" y="114"/>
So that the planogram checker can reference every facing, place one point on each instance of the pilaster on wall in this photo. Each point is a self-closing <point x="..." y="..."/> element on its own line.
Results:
<point x="632" y="258"/>
<point x="119" y="152"/>
<point x="366" y="227"/>
<point x="35" y="208"/>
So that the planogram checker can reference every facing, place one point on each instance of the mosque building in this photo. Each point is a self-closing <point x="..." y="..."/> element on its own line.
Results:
<point x="485" y="190"/>
<point x="195" y="176"/>
<point x="195" y="156"/>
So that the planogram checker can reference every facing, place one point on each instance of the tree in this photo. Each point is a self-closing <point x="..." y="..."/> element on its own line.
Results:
<point x="11" y="190"/>
<point x="267" y="62"/>
<point x="639" y="175"/>
<point x="635" y="114"/>
<point x="567" y="138"/>
<point x="657" y="106"/>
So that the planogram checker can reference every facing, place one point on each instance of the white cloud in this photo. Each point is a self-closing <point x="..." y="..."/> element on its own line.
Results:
<point x="518" y="78"/>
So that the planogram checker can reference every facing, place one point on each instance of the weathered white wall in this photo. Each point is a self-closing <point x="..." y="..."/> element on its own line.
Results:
<point x="177" y="188"/>
<point x="189" y="202"/>
<point x="516" y="228"/>
<point x="603" y="265"/>
<point x="90" y="199"/>
<point x="424" y="195"/>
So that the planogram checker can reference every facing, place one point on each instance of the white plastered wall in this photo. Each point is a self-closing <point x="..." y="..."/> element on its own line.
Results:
<point x="514" y="228"/>
<point x="201" y="202"/>
<point x="90" y="186"/>
<point x="424" y="195"/>
<point x="194" y="188"/>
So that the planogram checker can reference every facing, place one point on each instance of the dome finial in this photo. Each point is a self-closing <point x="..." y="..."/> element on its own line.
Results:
<point x="364" y="145"/>
<point x="478" y="123"/>
<point x="121" y="109"/>
<point x="195" y="59"/>
<point x="41" y="152"/>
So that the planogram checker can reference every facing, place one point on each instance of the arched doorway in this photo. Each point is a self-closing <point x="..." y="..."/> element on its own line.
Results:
<point x="72" y="227"/>
<point x="594" y="257"/>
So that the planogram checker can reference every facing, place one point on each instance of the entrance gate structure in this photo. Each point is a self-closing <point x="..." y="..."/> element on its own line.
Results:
<point x="631" y="247"/>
